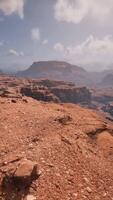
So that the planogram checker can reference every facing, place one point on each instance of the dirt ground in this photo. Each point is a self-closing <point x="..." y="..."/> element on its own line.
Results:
<point x="72" y="146"/>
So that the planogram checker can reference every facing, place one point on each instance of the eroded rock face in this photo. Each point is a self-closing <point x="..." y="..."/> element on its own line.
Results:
<point x="44" y="90"/>
<point x="108" y="108"/>
<point x="10" y="93"/>
<point x="62" y="92"/>
<point x="41" y="94"/>
<point x="72" y="94"/>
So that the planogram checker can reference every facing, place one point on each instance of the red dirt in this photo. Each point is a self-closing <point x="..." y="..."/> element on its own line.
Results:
<point x="72" y="146"/>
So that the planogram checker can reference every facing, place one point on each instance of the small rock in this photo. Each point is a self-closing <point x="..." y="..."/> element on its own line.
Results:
<point x="75" y="195"/>
<point x="105" y="194"/>
<point x="13" y="101"/>
<point x="25" y="100"/>
<point x="5" y="163"/>
<point x="88" y="189"/>
<point x="86" y="179"/>
<point x="2" y="102"/>
<point x="50" y="165"/>
<point x="30" y="197"/>
<point x="30" y="146"/>
<point x="64" y="120"/>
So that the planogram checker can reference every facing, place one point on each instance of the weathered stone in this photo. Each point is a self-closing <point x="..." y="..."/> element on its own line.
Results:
<point x="26" y="173"/>
<point x="88" y="189"/>
<point x="64" y="119"/>
<point x="30" y="197"/>
<point x="25" y="100"/>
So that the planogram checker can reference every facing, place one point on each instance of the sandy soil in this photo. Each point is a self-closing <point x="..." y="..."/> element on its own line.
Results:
<point x="72" y="146"/>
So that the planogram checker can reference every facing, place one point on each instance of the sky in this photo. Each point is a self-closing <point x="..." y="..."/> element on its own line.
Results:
<point x="76" y="31"/>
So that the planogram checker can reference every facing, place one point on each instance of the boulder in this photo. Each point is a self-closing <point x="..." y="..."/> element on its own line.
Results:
<point x="25" y="173"/>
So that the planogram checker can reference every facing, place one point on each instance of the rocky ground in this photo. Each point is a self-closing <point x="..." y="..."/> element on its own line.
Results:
<point x="54" y="151"/>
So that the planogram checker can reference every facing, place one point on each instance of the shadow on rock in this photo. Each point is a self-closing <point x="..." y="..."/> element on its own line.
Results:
<point x="16" y="186"/>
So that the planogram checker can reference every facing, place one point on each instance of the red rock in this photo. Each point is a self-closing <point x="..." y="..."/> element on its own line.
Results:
<point x="26" y="173"/>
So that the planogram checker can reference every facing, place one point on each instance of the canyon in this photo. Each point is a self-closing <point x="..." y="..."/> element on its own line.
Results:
<point x="56" y="140"/>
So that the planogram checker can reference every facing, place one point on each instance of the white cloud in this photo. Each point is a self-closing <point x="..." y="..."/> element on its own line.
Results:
<point x="9" y="7"/>
<point x="76" y="10"/>
<point x="45" y="42"/>
<point x="59" y="47"/>
<point x="93" y="49"/>
<point x="35" y="34"/>
<point x="13" y="52"/>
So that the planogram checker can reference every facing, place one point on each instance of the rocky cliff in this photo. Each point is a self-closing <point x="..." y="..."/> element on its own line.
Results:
<point x="57" y="91"/>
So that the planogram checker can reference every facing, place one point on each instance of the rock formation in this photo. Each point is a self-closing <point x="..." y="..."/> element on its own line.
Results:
<point x="57" y="91"/>
<point x="57" y="70"/>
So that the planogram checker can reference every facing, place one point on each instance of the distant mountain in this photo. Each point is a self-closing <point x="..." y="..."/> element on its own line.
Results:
<point x="98" y="77"/>
<point x="107" y="80"/>
<point x="57" y="70"/>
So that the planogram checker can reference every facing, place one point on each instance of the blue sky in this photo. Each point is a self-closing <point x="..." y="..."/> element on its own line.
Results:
<point x="77" y="31"/>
